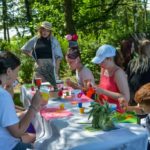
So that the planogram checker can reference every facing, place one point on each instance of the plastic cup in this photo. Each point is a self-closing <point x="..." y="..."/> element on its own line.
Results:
<point x="113" y="107"/>
<point x="45" y="96"/>
<point x="64" y="95"/>
<point x="80" y="105"/>
<point x="81" y="110"/>
<point x="38" y="82"/>
<point x="67" y="93"/>
<point x="62" y="106"/>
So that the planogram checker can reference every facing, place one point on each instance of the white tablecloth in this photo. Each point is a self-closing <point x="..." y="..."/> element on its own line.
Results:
<point x="69" y="134"/>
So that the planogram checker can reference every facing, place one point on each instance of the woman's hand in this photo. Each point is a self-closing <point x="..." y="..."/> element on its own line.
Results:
<point x="137" y="109"/>
<point x="69" y="82"/>
<point x="36" y="100"/>
<point x="123" y="103"/>
<point x="88" y="84"/>
<point x="98" y="90"/>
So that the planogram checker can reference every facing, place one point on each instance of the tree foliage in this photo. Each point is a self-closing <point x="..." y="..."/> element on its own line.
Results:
<point x="95" y="21"/>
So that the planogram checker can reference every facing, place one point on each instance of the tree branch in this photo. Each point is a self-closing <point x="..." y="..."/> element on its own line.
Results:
<point x="103" y="16"/>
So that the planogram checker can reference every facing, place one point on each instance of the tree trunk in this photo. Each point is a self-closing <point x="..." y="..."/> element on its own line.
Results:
<point x="7" y="31"/>
<point x="126" y="19"/>
<point x="29" y="14"/>
<point x="4" y="18"/>
<point x="135" y="16"/>
<point x="145" y="16"/>
<point x="70" y="28"/>
<point x="17" y="30"/>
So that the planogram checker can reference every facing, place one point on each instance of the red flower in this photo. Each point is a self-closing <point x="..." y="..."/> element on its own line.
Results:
<point x="74" y="37"/>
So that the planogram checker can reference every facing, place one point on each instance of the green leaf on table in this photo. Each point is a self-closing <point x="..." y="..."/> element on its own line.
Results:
<point x="91" y="129"/>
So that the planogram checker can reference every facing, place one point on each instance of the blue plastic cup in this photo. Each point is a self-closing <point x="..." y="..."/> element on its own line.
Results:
<point x="80" y="105"/>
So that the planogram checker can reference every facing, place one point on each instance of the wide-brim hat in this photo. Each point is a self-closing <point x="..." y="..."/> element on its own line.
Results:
<point x="46" y="25"/>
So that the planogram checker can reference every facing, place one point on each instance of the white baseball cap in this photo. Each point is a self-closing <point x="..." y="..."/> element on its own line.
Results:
<point x="104" y="52"/>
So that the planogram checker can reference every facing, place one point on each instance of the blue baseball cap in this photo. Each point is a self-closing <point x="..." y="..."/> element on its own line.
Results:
<point x="104" y="52"/>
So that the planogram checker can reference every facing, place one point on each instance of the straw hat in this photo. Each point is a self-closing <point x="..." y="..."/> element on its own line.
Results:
<point x="46" y="25"/>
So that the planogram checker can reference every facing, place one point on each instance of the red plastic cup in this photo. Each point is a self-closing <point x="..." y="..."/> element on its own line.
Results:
<point x="38" y="82"/>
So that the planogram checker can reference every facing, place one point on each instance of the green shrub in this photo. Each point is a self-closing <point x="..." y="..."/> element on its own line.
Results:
<point x="88" y="45"/>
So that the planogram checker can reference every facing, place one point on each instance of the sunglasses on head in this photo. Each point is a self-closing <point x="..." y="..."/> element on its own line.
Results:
<point x="73" y="54"/>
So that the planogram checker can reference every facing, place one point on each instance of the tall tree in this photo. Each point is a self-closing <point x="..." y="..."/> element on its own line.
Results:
<point x="5" y="20"/>
<point x="68" y="8"/>
<point x="29" y="13"/>
<point x="145" y="15"/>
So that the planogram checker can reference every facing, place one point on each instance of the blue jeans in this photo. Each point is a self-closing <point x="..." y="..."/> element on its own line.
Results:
<point x="22" y="146"/>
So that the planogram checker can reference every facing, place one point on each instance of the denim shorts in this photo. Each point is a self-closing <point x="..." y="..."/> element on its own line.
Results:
<point x="23" y="146"/>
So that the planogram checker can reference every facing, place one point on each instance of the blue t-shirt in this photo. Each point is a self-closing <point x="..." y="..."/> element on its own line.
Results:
<point x="8" y="117"/>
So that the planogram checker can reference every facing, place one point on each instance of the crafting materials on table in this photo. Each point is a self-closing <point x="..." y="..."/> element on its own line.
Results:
<point x="55" y="112"/>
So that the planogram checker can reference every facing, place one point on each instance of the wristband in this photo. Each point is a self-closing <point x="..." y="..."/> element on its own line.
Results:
<point x="32" y="107"/>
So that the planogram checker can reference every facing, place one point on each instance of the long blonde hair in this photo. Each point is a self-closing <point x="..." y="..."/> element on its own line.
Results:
<point x="40" y="33"/>
<point x="144" y="47"/>
<point x="141" y="63"/>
